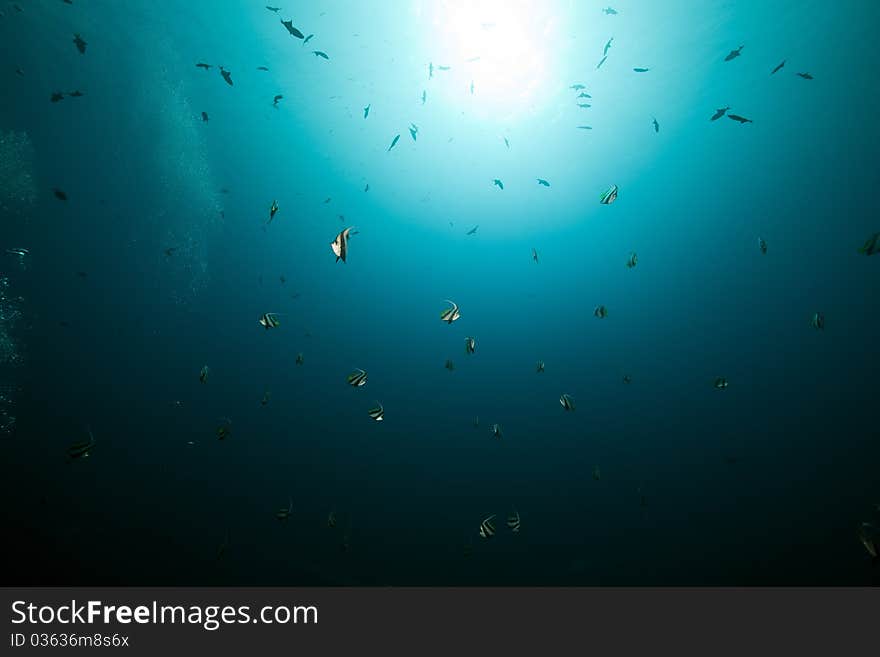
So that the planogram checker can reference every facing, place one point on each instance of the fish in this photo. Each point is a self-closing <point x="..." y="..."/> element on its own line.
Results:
<point x="539" y="366"/>
<point x="506" y="143"/>
<point x="288" y="25"/>
<point x="299" y="359"/>
<point x="272" y="210"/>
<point x="487" y="529"/>
<point x="513" y="522"/>
<point x="451" y="314"/>
<point x="778" y="66"/>
<point x="357" y="378"/>
<point x="739" y="119"/>
<point x="326" y="200"/>
<point x="205" y="117"/>
<point x="56" y="96"/>
<point x="367" y="113"/>
<point x="535" y="255"/>
<point x="262" y="68"/>
<point x="577" y="87"/>
<point x="541" y="181"/>
<point x="585" y="127"/>
<point x="495" y="431"/>
<point x="867" y="534"/>
<point x="320" y="53"/>
<point x="597" y="474"/>
<point x="871" y="245"/>
<point x="430" y="70"/>
<point x="607" y="46"/>
<point x="609" y="11"/>
<point x="377" y="413"/>
<point x="413" y="130"/>
<point x="818" y="321"/>
<point x="733" y="54"/>
<point x="656" y="125"/>
<point x="284" y="513"/>
<point x="273" y="9"/>
<point x="226" y="76"/>
<point x="80" y="44"/>
<point x="265" y="399"/>
<point x="224" y="429"/>
<point x="76" y="94"/>
<point x="444" y="68"/>
<point x="608" y="196"/>
<point x="394" y="142"/>
<point x="470" y="345"/>
<point x="473" y="231"/>
<point x="367" y="187"/>
<point x="632" y="261"/>
<point x="721" y="111"/>
<point x="18" y="251"/>
<point x="204" y="66"/>
<point x="805" y="76"/>
<point x="424" y="96"/>
<point x="340" y="245"/>
<point x="276" y="99"/>
<point x="584" y="94"/>
<point x="601" y="312"/>
<point x="269" y="321"/>
<point x="59" y="194"/>
<point x="720" y="383"/>
<point x="762" y="245"/>
<point x="170" y="251"/>
<point x="641" y="70"/>
<point x="601" y="61"/>
<point x="472" y="87"/>
<point x="81" y="449"/>
<point x="498" y="184"/>
<point x="307" y="39"/>
<point x="584" y="105"/>
<point x="203" y="374"/>
<point x="567" y="402"/>
<point x="449" y="365"/>
<point x="331" y="519"/>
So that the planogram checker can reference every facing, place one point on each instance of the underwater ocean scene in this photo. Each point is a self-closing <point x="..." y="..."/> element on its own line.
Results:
<point x="439" y="292"/>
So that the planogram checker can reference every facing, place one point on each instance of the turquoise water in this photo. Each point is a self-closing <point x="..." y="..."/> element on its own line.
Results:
<point x="764" y="482"/>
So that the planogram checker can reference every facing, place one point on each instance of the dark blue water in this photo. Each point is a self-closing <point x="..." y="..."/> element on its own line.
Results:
<point x="765" y="482"/>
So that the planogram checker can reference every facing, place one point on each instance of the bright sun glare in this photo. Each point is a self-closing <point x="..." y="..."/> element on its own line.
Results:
<point x="498" y="45"/>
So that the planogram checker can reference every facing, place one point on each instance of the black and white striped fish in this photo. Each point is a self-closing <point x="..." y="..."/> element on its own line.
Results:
<point x="340" y="245"/>
<point x="539" y="366"/>
<point x="721" y="383"/>
<point x="872" y="245"/>
<point x="270" y="320"/>
<point x="299" y="359"/>
<point x="377" y="413"/>
<point x="632" y="261"/>
<point x="82" y="449"/>
<point x="601" y="312"/>
<point x="513" y="521"/>
<point x="450" y="314"/>
<point x="203" y="374"/>
<point x="567" y="402"/>
<point x="609" y="196"/>
<point x="470" y="345"/>
<point x="331" y="519"/>
<point x="357" y="378"/>
<point x="495" y="430"/>
<point x="818" y="321"/>
<point x="487" y="529"/>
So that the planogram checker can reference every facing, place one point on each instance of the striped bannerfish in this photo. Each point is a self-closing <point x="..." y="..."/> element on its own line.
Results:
<point x="567" y="402"/>
<point x="449" y="365"/>
<point x="357" y="378"/>
<point x="818" y="321"/>
<point x="82" y="449"/>
<point x="203" y="374"/>
<point x="284" y="514"/>
<point x="224" y="429"/>
<point x="340" y="245"/>
<point x="632" y="261"/>
<point x="495" y="430"/>
<point x="377" y="413"/>
<point x="762" y="245"/>
<point x="627" y="378"/>
<point x="450" y="314"/>
<point x="470" y="345"/>
<point x="601" y="312"/>
<point x="535" y="255"/>
<point x="872" y="245"/>
<point x="721" y="383"/>
<point x="539" y="367"/>
<point x="609" y="196"/>
<point x="299" y="359"/>
<point x="513" y="521"/>
<point x="331" y="519"/>
<point x="270" y="320"/>
<point x="487" y="529"/>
